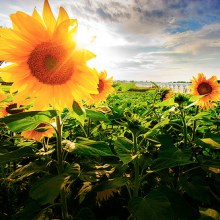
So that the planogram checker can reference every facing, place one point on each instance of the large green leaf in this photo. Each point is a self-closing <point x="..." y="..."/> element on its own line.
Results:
<point x="28" y="120"/>
<point x="17" y="154"/>
<point x="171" y="157"/>
<point x="197" y="188"/>
<point x="96" y="116"/>
<point x="181" y="208"/>
<point x="123" y="148"/>
<point x="47" y="188"/>
<point x="154" y="206"/>
<point x="89" y="147"/>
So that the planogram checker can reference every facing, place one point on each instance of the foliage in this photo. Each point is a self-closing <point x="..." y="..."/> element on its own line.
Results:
<point x="137" y="156"/>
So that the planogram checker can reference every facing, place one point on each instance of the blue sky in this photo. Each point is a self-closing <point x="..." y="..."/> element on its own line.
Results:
<point x="153" y="40"/>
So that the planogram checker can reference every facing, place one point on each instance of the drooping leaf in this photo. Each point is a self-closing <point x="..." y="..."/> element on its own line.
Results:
<point x="154" y="206"/>
<point x="47" y="188"/>
<point x="84" y="146"/>
<point x="27" y="120"/>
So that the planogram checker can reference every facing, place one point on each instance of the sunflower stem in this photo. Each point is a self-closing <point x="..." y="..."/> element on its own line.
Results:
<point x="184" y="125"/>
<point x="136" y="167"/>
<point x="60" y="166"/>
<point x="194" y="124"/>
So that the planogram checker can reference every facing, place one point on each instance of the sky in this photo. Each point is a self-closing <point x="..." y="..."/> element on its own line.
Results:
<point x="142" y="40"/>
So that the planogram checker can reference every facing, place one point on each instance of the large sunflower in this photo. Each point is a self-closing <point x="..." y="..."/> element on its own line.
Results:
<point x="46" y="62"/>
<point x="104" y="88"/>
<point x="209" y="88"/>
<point x="42" y="130"/>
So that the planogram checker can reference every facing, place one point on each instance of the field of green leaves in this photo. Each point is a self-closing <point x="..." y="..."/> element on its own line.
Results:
<point x="135" y="156"/>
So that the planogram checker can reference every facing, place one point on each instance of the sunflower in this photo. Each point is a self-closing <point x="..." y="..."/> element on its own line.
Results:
<point x="105" y="195"/>
<point x="208" y="88"/>
<point x="45" y="60"/>
<point x="42" y="130"/>
<point x="10" y="108"/>
<point x="104" y="88"/>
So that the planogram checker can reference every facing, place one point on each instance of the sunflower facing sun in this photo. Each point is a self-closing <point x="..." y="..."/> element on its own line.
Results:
<point x="104" y="88"/>
<point x="46" y="63"/>
<point x="209" y="88"/>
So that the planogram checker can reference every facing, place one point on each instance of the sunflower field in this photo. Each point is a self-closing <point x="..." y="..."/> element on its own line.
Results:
<point x="77" y="145"/>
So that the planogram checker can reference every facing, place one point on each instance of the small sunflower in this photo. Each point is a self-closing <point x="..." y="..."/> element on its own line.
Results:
<point x="42" y="130"/>
<point x="10" y="108"/>
<point x="104" y="88"/>
<point x="209" y="88"/>
<point x="45" y="60"/>
<point x="105" y="195"/>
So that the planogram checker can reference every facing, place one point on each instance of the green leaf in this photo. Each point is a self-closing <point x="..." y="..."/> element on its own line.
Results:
<point x="181" y="208"/>
<point x="110" y="184"/>
<point x="17" y="154"/>
<point x="29" y="169"/>
<point x="171" y="157"/>
<point x="78" y="113"/>
<point x="84" y="146"/>
<point x="196" y="188"/>
<point x="47" y="188"/>
<point x="167" y="102"/>
<point x="200" y="116"/>
<point x="28" y="120"/>
<point x="154" y="206"/>
<point x="30" y="211"/>
<point x="208" y="142"/>
<point x="96" y="116"/>
<point x="158" y="125"/>
<point x="123" y="147"/>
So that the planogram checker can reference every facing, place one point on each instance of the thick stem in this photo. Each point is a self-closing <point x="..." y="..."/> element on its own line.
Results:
<point x="60" y="166"/>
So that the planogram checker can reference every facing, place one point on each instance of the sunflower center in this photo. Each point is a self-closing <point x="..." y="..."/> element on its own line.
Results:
<point x="204" y="88"/>
<point x="12" y="109"/>
<point x="100" y="86"/>
<point x="50" y="64"/>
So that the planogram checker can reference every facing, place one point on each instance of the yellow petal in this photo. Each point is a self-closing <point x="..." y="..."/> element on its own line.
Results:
<point x="48" y="17"/>
<point x="36" y="16"/>
<point x="62" y="16"/>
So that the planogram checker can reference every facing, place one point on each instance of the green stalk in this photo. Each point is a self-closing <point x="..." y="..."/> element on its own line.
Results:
<point x="136" y="167"/>
<point x="184" y="125"/>
<point x="194" y="124"/>
<point x="60" y="166"/>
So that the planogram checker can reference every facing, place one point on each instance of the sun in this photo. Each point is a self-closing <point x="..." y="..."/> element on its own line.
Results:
<point x="84" y="37"/>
